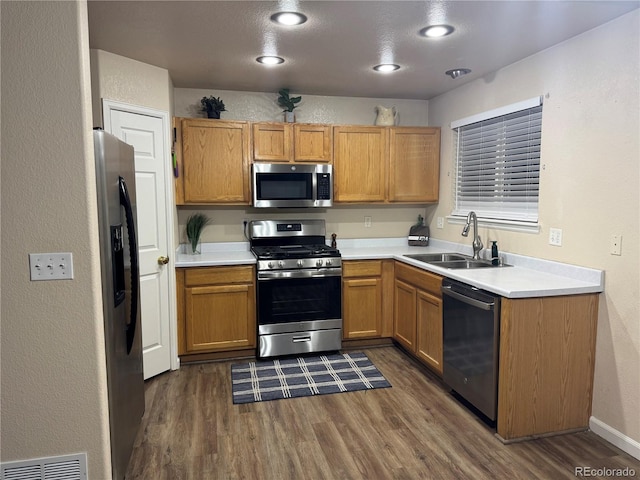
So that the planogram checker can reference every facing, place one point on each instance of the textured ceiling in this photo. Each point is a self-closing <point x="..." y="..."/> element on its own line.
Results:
<point x="214" y="44"/>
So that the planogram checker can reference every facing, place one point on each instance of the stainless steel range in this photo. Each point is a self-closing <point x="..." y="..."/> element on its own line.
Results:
<point x="299" y="295"/>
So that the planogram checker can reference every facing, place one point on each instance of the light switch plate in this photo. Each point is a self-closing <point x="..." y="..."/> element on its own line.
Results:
<point x="440" y="222"/>
<point x="51" y="266"/>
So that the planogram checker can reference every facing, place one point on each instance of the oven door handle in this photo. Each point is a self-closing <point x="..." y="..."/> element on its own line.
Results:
<point x="446" y="290"/>
<point x="318" y="273"/>
<point x="303" y="338"/>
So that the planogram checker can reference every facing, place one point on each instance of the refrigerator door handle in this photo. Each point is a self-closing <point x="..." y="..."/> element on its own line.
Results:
<point x="125" y="201"/>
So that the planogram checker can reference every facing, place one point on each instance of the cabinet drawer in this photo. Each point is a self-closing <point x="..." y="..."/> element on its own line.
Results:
<point x="420" y="278"/>
<point x="365" y="268"/>
<point x="218" y="275"/>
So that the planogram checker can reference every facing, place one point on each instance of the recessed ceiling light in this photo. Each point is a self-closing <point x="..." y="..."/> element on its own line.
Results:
<point x="435" y="31"/>
<point x="288" y="18"/>
<point x="386" y="67"/>
<point x="270" y="60"/>
<point x="457" y="72"/>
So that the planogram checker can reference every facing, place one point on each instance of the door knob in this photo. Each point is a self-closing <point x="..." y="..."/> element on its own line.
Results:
<point x="163" y="260"/>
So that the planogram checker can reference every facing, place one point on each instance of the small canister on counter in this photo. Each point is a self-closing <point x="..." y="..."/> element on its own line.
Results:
<point x="419" y="234"/>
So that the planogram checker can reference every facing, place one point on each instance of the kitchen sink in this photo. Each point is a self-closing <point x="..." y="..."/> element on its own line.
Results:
<point x="439" y="257"/>
<point x="465" y="264"/>
<point x="453" y="260"/>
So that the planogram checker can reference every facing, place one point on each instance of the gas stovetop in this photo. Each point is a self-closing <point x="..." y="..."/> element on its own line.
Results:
<point x="291" y="245"/>
<point x="294" y="251"/>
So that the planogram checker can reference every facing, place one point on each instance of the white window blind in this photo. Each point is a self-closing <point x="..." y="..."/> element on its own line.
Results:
<point x="498" y="163"/>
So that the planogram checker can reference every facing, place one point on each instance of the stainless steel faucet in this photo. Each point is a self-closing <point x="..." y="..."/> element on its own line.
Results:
<point x="477" y="243"/>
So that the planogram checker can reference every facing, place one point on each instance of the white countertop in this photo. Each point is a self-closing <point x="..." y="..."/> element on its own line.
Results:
<point x="527" y="277"/>
<point x="214" y="254"/>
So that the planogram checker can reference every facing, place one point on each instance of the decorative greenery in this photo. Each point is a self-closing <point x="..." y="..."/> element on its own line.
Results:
<point x="289" y="103"/>
<point x="212" y="104"/>
<point x="195" y="225"/>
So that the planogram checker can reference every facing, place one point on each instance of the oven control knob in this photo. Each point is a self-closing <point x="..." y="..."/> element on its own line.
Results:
<point x="281" y="264"/>
<point x="270" y="264"/>
<point x="319" y="262"/>
<point x="328" y="262"/>
<point x="300" y="263"/>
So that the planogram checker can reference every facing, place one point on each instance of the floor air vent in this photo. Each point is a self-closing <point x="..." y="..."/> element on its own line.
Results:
<point x="67" y="467"/>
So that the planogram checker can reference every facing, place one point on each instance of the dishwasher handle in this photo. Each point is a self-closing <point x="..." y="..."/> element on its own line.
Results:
<point x="447" y="290"/>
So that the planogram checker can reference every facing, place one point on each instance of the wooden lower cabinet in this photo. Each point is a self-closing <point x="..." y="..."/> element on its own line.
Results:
<point x="417" y="317"/>
<point x="366" y="305"/>
<point x="216" y="309"/>
<point x="404" y="325"/>
<point x="429" y="331"/>
<point x="547" y="357"/>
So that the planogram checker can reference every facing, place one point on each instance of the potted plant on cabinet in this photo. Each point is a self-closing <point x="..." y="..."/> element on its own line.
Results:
<point x="213" y="106"/>
<point x="195" y="225"/>
<point x="289" y="103"/>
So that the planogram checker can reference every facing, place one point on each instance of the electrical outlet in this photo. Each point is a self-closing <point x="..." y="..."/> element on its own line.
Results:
<point x="440" y="222"/>
<point x="51" y="266"/>
<point x="616" y="245"/>
<point x="555" y="237"/>
<point x="367" y="221"/>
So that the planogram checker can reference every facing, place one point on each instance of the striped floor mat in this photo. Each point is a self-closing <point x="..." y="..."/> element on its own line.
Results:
<point x="303" y="376"/>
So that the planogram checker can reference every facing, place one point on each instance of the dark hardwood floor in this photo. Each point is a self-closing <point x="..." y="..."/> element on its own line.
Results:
<point x="414" y="430"/>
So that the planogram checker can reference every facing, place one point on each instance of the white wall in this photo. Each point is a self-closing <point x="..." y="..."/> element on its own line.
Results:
<point x="118" y="78"/>
<point x="589" y="184"/>
<point x="121" y="79"/>
<point x="345" y="221"/>
<point x="53" y="382"/>
<point x="263" y="107"/>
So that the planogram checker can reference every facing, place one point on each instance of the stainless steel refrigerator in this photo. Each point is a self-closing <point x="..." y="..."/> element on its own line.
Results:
<point x="115" y="177"/>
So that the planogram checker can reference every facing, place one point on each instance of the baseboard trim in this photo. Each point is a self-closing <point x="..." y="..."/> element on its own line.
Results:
<point x="509" y="441"/>
<point x="616" y="438"/>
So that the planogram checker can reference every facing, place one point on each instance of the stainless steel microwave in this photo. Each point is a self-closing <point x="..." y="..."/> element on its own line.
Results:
<point x="284" y="185"/>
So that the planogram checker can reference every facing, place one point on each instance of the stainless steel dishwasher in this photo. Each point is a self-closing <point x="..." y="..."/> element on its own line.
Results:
<point x="471" y="335"/>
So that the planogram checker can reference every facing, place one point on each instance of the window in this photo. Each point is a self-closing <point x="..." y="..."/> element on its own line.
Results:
<point x="498" y="163"/>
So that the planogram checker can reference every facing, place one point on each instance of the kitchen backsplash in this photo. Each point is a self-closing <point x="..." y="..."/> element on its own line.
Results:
<point x="345" y="221"/>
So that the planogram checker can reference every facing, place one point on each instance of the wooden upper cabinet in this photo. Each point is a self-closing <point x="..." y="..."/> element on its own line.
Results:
<point x="272" y="142"/>
<point x="292" y="142"/>
<point x="215" y="162"/>
<point x="313" y="143"/>
<point x="386" y="164"/>
<point x="414" y="164"/>
<point x="360" y="163"/>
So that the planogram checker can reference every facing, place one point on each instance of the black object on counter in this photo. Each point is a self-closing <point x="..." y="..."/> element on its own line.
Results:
<point x="495" y="259"/>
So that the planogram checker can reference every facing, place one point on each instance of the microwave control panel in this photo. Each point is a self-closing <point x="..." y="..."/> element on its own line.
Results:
<point x="324" y="186"/>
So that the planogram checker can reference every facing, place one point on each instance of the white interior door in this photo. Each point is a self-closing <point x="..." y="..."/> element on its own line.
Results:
<point x="147" y="131"/>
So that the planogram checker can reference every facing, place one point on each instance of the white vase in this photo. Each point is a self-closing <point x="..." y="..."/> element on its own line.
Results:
<point x="289" y="117"/>
<point x="386" y="116"/>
